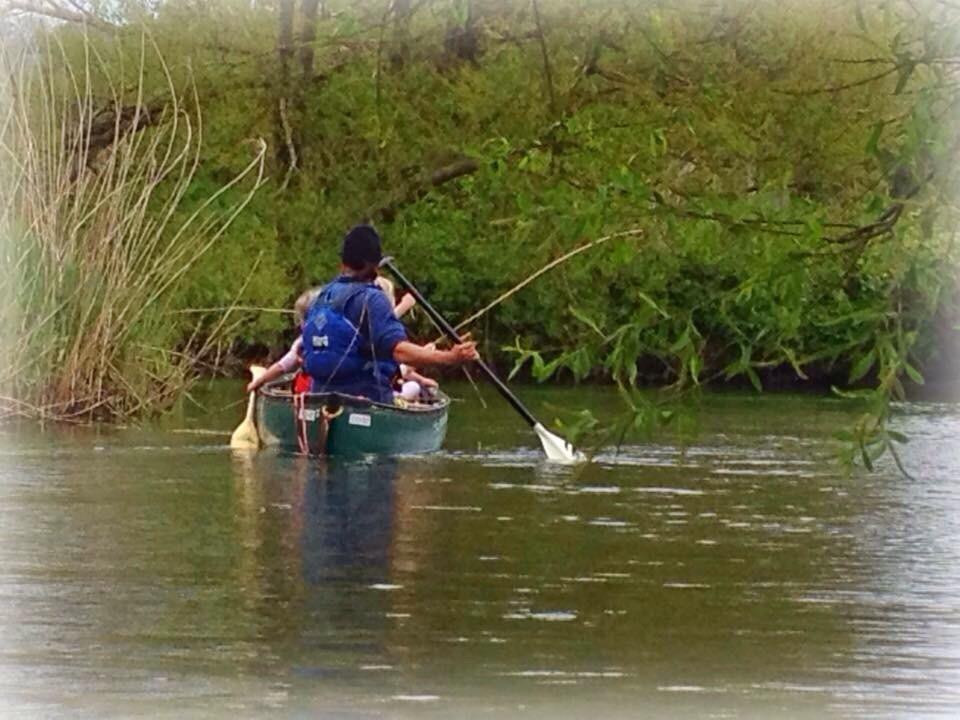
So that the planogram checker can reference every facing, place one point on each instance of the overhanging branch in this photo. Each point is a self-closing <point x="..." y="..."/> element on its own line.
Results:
<point x="57" y="11"/>
<point x="444" y="174"/>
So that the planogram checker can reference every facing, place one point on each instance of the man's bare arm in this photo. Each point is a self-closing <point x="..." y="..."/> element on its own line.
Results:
<point x="412" y="354"/>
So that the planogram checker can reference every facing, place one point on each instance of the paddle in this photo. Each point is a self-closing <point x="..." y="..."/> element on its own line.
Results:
<point x="245" y="437"/>
<point x="555" y="447"/>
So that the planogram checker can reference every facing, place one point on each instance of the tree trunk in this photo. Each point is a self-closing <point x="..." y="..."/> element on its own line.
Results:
<point x="464" y="42"/>
<point x="401" y="35"/>
<point x="308" y="34"/>
<point x="285" y="38"/>
<point x="284" y="140"/>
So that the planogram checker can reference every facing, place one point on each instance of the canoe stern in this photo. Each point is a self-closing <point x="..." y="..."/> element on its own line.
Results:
<point x="334" y="424"/>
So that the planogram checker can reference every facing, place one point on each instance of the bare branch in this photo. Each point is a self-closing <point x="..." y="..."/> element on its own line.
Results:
<point x="56" y="11"/>
<point x="546" y="268"/>
<point x="845" y="86"/>
<point x="441" y="175"/>
<point x="288" y="138"/>
<point x="875" y="229"/>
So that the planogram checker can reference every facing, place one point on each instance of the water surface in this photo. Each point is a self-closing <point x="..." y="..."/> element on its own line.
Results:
<point x="737" y="572"/>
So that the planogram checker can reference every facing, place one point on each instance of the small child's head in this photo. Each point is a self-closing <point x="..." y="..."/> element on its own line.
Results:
<point x="303" y="304"/>
<point x="410" y="391"/>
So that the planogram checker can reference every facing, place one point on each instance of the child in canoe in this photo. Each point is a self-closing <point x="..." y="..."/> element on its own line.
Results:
<point x="293" y="358"/>
<point x="413" y="386"/>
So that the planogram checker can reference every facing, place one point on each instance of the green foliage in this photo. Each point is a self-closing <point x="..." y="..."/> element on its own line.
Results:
<point x="755" y="144"/>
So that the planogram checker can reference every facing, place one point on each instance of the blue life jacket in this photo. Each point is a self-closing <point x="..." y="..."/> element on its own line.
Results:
<point x="336" y="352"/>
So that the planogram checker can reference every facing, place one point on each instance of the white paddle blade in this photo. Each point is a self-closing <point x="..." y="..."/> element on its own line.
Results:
<point x="246" y="437"/>
<point x="556" y="448"/>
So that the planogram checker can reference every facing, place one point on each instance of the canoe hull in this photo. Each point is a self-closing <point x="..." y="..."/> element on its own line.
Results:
<point x="334" y="424"/>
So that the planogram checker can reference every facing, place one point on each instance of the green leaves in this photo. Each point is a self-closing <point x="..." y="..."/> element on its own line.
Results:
<point x="582" y="317"/>
<point x="871" y="147"/>
<point x="912" y="373"/>
<point x="862" y="365"/>
<point x="649" y="301"/>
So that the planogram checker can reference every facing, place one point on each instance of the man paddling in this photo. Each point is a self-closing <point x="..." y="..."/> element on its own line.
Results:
<point x="352" y="341"/>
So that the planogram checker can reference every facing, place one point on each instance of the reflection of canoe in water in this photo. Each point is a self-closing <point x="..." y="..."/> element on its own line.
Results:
<point x="333" y="424"/>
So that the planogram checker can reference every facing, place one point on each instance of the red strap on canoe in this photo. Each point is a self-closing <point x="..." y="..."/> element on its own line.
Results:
<point x="302" y="384"/>
<point x="300" y="424"/>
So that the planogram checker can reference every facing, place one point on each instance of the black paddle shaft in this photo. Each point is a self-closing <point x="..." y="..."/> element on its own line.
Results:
<point x="452" y="334"/>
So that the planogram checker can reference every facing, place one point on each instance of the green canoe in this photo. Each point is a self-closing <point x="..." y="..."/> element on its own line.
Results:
<point x="334" y="424"/>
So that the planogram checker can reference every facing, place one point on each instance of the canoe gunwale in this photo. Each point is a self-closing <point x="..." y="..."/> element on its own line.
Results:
<point x="277" y="391"/>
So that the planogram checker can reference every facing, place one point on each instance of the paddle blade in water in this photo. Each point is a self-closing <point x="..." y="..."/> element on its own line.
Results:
<point x="245" y="437"/>
<point x="556" y="448"/>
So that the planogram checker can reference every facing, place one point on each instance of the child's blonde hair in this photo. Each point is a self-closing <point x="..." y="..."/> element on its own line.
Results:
<point x="303" y="304"/>
<point x="386" y="285"/>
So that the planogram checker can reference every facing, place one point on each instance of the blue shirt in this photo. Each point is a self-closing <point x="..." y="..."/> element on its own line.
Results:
<point x="380" y="332"/>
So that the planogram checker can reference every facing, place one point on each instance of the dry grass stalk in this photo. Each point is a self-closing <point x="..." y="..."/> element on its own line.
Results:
<point x="545" y="269"/>
<point x="95" y="236"/>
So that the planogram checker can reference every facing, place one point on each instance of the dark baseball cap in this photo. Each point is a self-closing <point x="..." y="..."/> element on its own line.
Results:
<point x="361" y="247"/>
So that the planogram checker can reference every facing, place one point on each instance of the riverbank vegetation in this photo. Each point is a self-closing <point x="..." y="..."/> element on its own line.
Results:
<point x="97" y="236"/>
<point x="777" y="178"/>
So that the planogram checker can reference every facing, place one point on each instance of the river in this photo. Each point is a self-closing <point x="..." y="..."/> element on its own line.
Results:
<point x="731" y="571"/>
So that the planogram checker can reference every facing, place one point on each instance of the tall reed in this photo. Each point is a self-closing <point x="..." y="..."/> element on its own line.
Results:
<point x="96" y="234"/>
